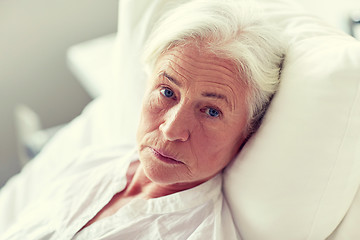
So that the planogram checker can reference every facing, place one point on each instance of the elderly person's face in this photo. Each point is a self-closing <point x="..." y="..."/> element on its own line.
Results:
<point x="193" y="117"/>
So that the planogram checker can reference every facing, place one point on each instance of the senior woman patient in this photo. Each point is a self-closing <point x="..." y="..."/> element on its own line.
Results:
<point x="213" y="67"/>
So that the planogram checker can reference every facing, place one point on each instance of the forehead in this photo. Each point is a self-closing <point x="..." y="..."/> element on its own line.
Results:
<point x="193" y="62"/>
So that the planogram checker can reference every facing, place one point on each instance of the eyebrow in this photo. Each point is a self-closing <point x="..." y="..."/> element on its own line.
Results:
<point x="171" y="79"/>
<point x="217" y="96"/>
<point x="214" y="95"/>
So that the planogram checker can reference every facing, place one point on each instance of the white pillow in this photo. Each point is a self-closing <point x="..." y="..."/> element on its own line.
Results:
<point x="297" y="176"/>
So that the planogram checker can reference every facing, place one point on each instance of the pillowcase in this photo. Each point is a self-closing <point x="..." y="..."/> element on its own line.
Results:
<point x="298" y="175"/>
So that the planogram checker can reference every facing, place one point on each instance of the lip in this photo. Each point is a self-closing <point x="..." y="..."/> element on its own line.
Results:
<point x="165" y="157"/>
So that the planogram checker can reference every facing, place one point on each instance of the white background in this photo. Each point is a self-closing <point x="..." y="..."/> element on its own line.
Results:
<point x="34" y="36"/>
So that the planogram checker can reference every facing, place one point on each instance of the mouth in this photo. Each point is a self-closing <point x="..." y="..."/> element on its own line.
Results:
<point x="165" y="157"/>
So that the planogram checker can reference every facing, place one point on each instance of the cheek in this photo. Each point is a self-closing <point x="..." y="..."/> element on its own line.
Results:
<point x="218" y="144"/>
<point x="207" y="144"/>
<point x="213" y="154"/>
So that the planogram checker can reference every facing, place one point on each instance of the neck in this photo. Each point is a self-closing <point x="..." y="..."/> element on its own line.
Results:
<point x="140" y="185"/>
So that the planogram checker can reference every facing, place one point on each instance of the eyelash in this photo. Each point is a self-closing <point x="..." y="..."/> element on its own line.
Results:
<point x="203" y="110"/>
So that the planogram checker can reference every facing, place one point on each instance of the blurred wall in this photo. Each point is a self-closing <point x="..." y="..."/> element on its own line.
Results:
<point x="34" y="37"/>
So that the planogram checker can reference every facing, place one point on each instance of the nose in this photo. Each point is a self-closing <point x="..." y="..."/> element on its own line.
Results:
<point x="175" y="126"/>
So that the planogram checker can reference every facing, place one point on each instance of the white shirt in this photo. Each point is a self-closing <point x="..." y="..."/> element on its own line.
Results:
<point x="84" y="185"/>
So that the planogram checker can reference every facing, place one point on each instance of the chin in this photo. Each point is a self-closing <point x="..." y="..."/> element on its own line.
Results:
<point x="157" y="171"/>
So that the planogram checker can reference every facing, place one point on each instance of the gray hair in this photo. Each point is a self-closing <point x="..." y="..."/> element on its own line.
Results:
<point x="232" y="30"/>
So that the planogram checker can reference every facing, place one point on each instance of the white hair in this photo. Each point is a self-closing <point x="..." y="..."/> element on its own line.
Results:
<point x="232" y="30"/>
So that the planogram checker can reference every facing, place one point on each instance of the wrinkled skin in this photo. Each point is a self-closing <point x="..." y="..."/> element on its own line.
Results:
<point x="193" y="118"/>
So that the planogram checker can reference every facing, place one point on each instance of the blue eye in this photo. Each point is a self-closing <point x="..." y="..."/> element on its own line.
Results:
<point x="212" y="112"/>
<point x="166" y="92"/>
